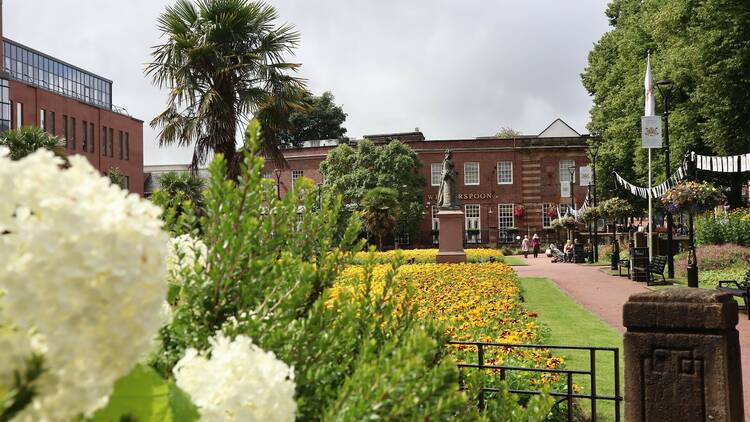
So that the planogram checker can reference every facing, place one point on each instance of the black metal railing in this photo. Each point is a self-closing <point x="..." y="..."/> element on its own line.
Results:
<point x="569" y="394"/>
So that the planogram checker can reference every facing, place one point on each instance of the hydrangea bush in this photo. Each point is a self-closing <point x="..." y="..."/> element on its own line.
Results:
<point x="82" y="266"/>
<point x="246" y="384"/>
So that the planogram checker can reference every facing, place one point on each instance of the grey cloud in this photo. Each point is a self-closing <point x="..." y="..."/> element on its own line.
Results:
<point x="454" y="68"/>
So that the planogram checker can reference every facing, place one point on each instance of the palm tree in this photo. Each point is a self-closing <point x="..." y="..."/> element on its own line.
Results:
<point x="189" y="185"/>
<point x="223" y="61"/>
<point x="381" y="212"/>
<point x="22" y="142"/>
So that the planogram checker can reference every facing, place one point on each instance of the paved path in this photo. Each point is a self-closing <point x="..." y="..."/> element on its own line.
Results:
<point x="604" y="295"/>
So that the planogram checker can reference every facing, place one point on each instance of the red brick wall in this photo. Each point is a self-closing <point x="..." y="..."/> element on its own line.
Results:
<point x="535" y="176"/>
<point x="34" y="99"/>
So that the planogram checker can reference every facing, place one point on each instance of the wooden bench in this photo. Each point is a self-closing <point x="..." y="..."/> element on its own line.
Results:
<point x="740" y="289"/>
<point x="656" y="267"/>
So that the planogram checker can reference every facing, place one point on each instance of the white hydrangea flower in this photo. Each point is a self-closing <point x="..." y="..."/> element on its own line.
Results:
<point x="246" y="383"/>
<point x="83" y="264"/>
<point x="186" y="256"/>
<point x="16" y="349"/>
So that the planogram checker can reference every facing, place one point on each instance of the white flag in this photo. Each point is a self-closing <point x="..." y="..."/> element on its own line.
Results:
<point x="648" y="84"/>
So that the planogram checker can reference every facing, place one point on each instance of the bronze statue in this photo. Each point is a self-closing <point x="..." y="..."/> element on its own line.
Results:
<point x="448" y="195"/>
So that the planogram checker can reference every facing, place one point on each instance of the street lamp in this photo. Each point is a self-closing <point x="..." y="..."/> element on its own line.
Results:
<point x="593" y="150"/>
<point x="277" y="172"/>
<point x="572" y="172"/>
<point x="692" y="264"/>
<point x="665" y="89"/>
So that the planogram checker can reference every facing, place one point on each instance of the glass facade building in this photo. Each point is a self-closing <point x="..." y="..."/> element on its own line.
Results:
<point x="35" y="68"/>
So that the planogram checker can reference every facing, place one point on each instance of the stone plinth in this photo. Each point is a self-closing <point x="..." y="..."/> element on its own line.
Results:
<point x="682" y="357"/>
<point x="451" y="240"/>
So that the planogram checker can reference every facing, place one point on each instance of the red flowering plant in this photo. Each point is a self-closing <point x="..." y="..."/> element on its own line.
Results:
<point x="552" y="213"/>
<point x="519" y="212"/>
<point x="692" y="196"/>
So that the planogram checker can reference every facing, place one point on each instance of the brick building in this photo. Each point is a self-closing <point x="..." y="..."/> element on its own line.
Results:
<point x="74" y="104"/>
<point x="497" y="177"/>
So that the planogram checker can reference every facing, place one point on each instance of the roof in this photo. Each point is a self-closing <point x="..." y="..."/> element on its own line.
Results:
<point x="558" y="129"/>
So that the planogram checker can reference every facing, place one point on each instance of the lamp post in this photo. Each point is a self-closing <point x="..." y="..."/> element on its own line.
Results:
<point x="592" y="224"/>
<point x="593" y="151"/>
<point x="572" y="172"/>
<point x="665" y="89"/>
<point x="692" y="264"/>
<point x="277" y="172"/>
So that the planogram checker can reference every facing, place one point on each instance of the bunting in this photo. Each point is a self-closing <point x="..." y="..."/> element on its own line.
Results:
<point x="722" y="164"/>
<point x="656" y="191"/>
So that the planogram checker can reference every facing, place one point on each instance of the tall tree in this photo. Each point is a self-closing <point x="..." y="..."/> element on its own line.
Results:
<point x="322" y="119"/>
<point x="704" y="47"/>
<point x="352" y="172"/>
<point x="507" y="132"/>
<point x="223" y="61"/>
<point x="381" y="212"/>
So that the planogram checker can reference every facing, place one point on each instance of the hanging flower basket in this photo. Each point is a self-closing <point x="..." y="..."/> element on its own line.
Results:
<point x="568" y="223"/>
<point x="615" y="208"/>
<point x="589" y="215"/>
<point x="552" y="213"/>
<point x="519" y="212"/>
<point x="693" y="197"/>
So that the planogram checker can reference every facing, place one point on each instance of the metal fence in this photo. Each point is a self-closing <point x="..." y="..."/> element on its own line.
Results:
<point x="568" y="395"/>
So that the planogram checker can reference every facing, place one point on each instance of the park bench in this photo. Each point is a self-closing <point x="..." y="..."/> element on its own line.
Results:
<point x="656" y="267"/>
<point x="623" y="263"/>
<point x="740" y="289"/>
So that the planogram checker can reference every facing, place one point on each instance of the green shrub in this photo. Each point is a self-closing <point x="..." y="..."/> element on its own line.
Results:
<point x="734" y="228"/>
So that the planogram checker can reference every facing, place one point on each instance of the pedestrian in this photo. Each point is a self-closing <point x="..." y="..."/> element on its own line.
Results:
<point x="536" y="244"/>
<point x="525" y="246"/>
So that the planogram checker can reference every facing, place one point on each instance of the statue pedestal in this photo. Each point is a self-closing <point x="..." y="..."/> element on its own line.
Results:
<point x="451" y="237"/>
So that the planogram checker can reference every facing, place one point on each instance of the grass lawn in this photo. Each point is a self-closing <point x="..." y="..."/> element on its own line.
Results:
<point x="571" y="324"/>
<point x="514" y="261"/>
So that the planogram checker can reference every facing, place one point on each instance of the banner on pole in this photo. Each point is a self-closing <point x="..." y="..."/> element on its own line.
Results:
<point x="565" y="189"/>
<point x="585" y="175"/>
<point x="651" y="131"/>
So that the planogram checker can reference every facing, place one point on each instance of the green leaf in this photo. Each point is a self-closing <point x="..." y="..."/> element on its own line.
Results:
<point x="143" y="395"/>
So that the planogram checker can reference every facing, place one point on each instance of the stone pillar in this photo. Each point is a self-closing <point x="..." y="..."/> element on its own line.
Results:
<point x="682" y="357"/>
<point x="451" y="241"/>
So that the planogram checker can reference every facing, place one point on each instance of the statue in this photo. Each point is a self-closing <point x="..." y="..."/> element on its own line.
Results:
<point x="448" y="195"/>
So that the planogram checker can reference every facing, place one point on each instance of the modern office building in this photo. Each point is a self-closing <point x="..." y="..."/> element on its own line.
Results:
<point x="74" y="104"/>
<point x="507" y="187"/>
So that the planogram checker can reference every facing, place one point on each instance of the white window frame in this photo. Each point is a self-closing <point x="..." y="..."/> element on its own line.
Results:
<point x="42" y="119"/>
<point x="564" y="173"/>
<point x="473" y="221"/>
<point x="467" y="173"/>
<point x="436" y="174"/>
<point x="19" y="115"/>
<point x="504" y="172"/>
<point x="296" y="174"/>
<point x="505" y="212"/>
<point x="435" y="220"/>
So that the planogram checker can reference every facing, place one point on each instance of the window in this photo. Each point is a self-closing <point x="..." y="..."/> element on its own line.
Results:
<point x="404" y="239"/>
<point x="37" y="69"/>
<point x="72" y="140"/>
<point x="546" y="219"/>
<point x="471" y="173"/>
<point x="473" y="224"/>
<point x="127" y="146"/>
<point x="296" y="174"/>
<point x="84" y="136"/>
<point x="51" y="122"/>
<point x="565" y="170"/>
<point x="505" y="216"/>
<point x="120" y="144"/>
<point x="92" y="141"/>
<point x="505" y="173"/>
<point x="436" y="174"/>
<point x="42" y="119"/>
<point x="125" y="182"/>
<point x="19" y="115"/>
<point x="65" y="129"/>
<point x="104" y="141"/>
<point x="111" y="142"/>
<point x="5" y="108"/>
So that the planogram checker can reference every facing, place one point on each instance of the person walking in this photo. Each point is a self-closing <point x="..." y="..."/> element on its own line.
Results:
<point x="536" y="244"/>
<point x="525" y="246"/>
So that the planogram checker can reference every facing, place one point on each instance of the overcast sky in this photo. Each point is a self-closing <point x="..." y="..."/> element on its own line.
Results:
<point x="455" y="69"/>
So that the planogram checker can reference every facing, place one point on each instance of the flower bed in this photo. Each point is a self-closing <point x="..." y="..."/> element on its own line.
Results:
<point x="426" y="256"/>
<point x="475" y="302"/>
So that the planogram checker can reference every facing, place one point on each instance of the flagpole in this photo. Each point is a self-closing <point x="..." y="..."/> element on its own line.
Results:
<point x="650" y="216"/>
